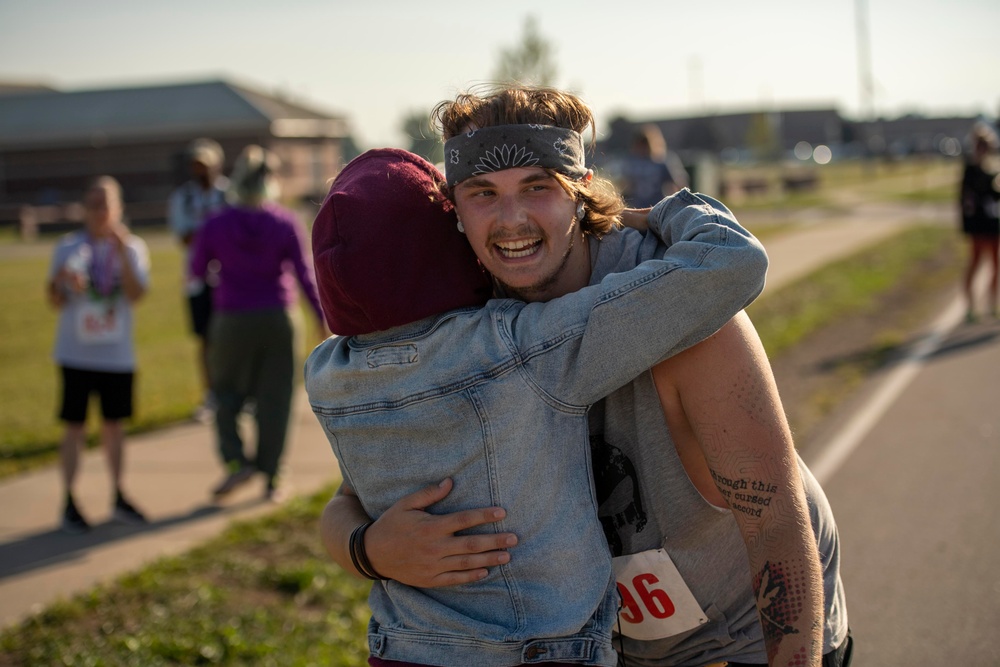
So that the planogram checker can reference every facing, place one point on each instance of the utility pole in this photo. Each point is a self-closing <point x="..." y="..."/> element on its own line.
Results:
<point x="866" y="100"/>
<point x="865" y="79"/>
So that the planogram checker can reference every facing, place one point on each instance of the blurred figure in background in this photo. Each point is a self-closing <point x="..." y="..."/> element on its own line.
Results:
<point x="252" y="253"/>
<point x="95" y="277"/>
<point x="978" y="201"/>
<point x="189" y="206"/>
<point x="650" y="173"/>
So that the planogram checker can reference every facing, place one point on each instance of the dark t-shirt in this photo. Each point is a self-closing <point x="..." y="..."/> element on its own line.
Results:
<point x="979" y="201"/>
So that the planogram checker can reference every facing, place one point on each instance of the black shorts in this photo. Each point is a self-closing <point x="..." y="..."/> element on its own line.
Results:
<point x="200" y="308"/>
<point x="115" y="390"/>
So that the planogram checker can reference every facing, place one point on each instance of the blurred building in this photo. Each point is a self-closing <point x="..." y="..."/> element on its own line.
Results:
<point x="719" y="132"/>
<point x="775" y="133"/>
<point x="798" y="139"/>
<point x="915" y="135"/>
<point x="52" y="143"/>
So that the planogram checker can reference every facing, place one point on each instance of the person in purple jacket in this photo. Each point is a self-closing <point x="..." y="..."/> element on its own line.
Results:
<point x="252" y="253"/>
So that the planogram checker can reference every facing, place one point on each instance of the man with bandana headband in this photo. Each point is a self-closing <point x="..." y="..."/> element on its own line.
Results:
<point x="703" y="499"/>
<point x="427" y="380"/>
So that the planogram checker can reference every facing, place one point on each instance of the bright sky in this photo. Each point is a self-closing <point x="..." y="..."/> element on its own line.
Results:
<point x="376" y="60"/>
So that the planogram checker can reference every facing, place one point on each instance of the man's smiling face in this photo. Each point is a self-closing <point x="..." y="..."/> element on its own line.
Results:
<point x="522" y="225"/>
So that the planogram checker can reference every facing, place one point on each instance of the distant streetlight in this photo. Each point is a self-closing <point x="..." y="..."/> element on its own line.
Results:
<point x="874" y="143"/>
<point x="867" y="88"/>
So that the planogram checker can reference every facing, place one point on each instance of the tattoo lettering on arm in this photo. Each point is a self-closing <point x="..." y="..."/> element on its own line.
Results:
<point x="734" y="410"/>
<point x="749" y="496"/>
<point x="750" y="485"/>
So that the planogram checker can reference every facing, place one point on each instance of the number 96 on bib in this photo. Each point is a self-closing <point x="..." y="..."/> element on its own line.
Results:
<point x="656" y="602"/>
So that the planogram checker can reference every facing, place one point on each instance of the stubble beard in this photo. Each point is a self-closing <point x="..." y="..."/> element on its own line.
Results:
<point x="537" y="291"/>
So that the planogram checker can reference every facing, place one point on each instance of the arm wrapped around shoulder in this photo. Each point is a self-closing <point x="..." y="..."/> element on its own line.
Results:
<point x="736" y="260"/>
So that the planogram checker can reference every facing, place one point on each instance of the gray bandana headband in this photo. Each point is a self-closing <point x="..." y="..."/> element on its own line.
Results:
<point x="502" y="147"/>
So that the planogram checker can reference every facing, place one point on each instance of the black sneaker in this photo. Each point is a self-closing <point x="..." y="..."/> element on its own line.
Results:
<point x="73" y="522"/>
<point x="125" y="513"/>
<point x="233" y="481"/>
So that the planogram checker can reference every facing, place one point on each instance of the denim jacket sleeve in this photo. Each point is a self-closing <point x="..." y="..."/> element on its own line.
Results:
<point x="581" y="347"/>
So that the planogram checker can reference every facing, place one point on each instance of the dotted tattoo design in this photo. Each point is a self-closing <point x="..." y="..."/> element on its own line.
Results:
<point x="780" y="595"/>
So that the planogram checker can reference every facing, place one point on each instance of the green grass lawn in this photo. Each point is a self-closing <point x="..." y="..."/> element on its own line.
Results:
<point x="261" y="594"/>
<point x="167" y="386"/>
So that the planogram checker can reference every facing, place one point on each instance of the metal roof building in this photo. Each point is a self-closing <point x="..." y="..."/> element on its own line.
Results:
<point x="52" y="143"/>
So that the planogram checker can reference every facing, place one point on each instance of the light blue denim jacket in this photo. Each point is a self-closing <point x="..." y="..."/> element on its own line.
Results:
<point x="497" y="399"/>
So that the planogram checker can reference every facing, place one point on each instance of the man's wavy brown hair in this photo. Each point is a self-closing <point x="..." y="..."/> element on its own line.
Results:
<point x="522" y="105"/>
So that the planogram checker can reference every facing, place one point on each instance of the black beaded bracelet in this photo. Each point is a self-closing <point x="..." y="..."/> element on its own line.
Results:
<point x="352" y="548"/>
<point x="359" y="557"/>
<point x="363" y="554"/>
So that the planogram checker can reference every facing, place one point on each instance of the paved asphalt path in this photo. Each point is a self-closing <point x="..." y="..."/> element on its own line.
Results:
<point x="917" y="501"/>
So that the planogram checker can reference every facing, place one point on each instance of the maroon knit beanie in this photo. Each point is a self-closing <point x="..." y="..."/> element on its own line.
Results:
<point x="386" y="248"/>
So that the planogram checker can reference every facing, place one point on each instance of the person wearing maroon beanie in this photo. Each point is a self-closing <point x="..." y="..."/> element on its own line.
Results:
<point x="385" y="261"/>
<point x="430" y="380"/>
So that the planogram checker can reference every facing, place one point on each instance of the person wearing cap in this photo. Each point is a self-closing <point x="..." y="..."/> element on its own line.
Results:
<point x="188" y="207"/>
<point x="253" y="252"/>
<point x="705" y="504"/>
<point x="429" y="380"/>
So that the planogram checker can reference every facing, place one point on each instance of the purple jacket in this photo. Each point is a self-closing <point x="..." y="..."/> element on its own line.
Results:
<point x="252" y="257"/>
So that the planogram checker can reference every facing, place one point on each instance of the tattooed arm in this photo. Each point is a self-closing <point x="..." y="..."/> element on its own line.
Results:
<point x="723" y="410"/>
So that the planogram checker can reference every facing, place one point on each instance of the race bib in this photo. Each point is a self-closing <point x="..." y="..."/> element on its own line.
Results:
<point x="99" y="322"/>
<point x="656" y="603"/>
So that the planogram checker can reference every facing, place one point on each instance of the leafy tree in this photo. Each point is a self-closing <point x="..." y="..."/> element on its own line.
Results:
<point x="424" y="140"/>
<point x="530" y="61"/>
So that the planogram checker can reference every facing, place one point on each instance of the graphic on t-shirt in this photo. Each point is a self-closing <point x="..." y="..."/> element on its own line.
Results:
<point x="618" y="498"/>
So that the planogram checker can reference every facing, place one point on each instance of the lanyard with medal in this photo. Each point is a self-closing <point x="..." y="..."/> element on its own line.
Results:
<point x="98" y="320"/>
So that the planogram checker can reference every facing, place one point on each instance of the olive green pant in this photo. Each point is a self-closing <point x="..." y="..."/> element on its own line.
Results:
<point x="251" y="356"/>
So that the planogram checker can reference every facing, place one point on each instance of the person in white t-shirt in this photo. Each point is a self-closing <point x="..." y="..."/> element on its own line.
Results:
<point x="96" y="275"/>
